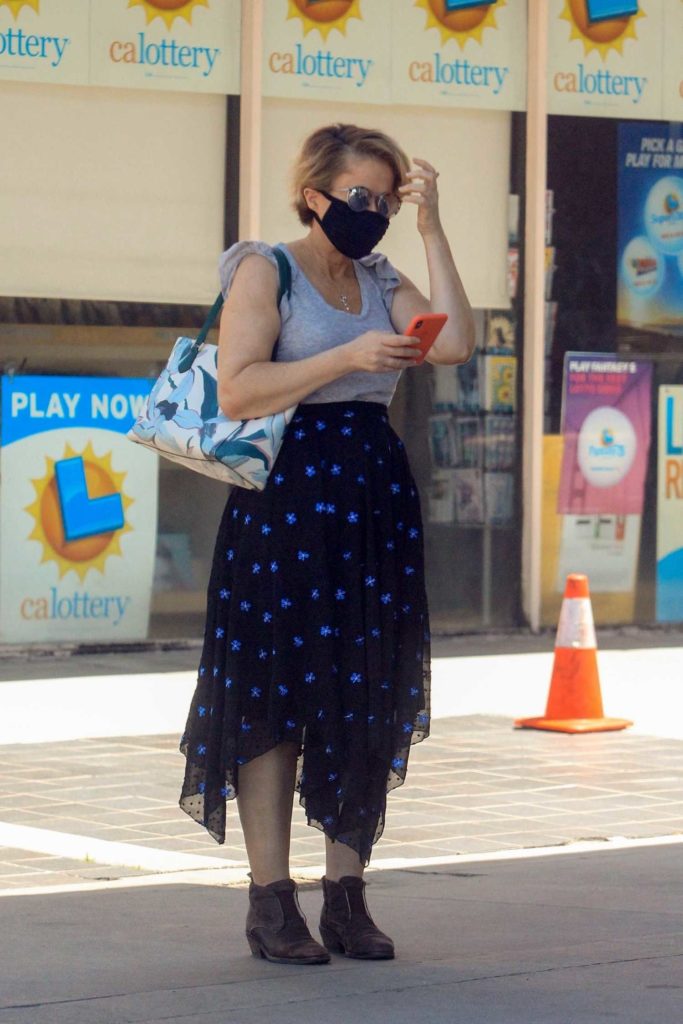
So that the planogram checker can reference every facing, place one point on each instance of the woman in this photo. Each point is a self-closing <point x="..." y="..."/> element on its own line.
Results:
<point x="315" y="667"/>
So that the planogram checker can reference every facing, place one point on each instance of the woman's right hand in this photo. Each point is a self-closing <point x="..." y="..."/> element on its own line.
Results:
<point x="382" y="352"/>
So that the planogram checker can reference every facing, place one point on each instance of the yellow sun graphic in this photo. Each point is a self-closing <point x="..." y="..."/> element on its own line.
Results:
<point x="602" y="36"/>
<point x="468" y="23"/>
<point x="168" y="10"/>
<point x="89" y="552"/>
<point x="16" y="5"/>
<point x="324" y="15"/>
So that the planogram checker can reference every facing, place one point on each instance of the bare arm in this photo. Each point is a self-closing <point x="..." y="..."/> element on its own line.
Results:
<point x="455" y="343"/>
<point x="249" y="384"/>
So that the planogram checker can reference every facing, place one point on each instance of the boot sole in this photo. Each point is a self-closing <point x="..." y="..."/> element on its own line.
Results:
<point x="260" y="953"/>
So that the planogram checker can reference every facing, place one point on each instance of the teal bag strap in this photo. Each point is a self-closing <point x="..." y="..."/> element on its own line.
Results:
<point x="284" y="288"/>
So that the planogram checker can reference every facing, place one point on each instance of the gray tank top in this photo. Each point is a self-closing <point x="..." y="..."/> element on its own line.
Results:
<point x="310" y="325"/>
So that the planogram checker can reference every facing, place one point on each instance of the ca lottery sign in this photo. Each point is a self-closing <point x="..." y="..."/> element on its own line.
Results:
<point x="188" y="45"/>
<point x="670" y="505"/>
<point x="456" y="53"/>
<point x="605" y="57"/>
<point x="328" y="49"/>
<point x="78" y="511"/>
<point x="44" y="41"/>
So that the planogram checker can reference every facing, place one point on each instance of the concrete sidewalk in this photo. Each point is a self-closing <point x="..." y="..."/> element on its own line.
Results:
<point x="572" y="939"/>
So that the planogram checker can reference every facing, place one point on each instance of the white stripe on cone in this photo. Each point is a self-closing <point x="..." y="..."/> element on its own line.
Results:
<point x="575" y="628"/>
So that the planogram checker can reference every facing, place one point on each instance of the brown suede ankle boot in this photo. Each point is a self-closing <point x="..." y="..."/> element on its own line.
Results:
<point x="345" y="923"/>
<point x="276" y="926"/>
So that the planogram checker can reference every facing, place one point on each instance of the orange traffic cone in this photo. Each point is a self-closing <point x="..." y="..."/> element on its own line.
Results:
<point x="574" y="701"/>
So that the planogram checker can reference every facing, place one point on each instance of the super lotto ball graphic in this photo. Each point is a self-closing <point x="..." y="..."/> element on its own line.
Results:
<point x="664" y="215"/>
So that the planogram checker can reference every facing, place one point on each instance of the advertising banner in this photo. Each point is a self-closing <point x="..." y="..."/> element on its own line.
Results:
<point x="650" y="230"/>
<point x="606" y="423"/>
<point x="605" y="57"/>
<point x="78" y="510"/>
<point x="188" y="45"/>
<point x="672" y="101"/>
<point x="328" y="49"/>
<point x="669" y="600"/>
<point x="456" y="53"/>
<point x="44" y="41"/>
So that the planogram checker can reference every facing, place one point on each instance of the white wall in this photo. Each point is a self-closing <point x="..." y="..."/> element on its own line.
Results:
<point x="470" y="148"/>
<point x="110" y="193"/>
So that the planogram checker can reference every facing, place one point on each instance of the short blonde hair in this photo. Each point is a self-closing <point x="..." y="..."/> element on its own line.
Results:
<point x="326" y="151"/>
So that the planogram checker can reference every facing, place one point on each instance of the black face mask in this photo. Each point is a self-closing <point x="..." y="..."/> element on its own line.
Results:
<point x="353" y="234"/>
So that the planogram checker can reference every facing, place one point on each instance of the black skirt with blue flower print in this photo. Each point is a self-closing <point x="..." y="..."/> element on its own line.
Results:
<point x="317" y="628"/>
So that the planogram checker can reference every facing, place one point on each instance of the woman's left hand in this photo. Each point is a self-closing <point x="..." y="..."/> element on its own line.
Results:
<point x="421" y="189"/>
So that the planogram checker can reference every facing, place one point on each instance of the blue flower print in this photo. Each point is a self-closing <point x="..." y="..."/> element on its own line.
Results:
<point x="406" y="609"/>
<point x="320" y="715"/>
<point x="349" y="414"/>
<point x="328" y="820"/>
<point x="310" y="677"/>
<point x="423" y="718"/>
<point x="395" y="488"/>
<point x="326" y="631"/>
<point x="386" y="598"/>
<point x="371" y="719"/>
<point x="224" y="791"/>
<point x="201" y="749"/>
<point x="201" y="787"/>
<point x="215" y="671"/>
<point x="236" y="645"/>
<point x="230" y="554"/>
<point x="339" y="791"/>
<point x="376" y="632"/>
<point x="299" y="434"/>
<point x="329" y="749"/>
<point x="409" y="570"/>
<point x="348" y="717"/>
<point x="247" y="519"/>
<point x="390" y="545"/>
<point x="355" y="678"/>
<point x="278" y="479"/>
<point x="267" y="617"/>
<point x="347" y="431"/>
<point x="385" y="685"/>
<point x="320" y="425"/>
<point x="290" y="518"/>
<point x="285" y="602"/>
<point x="359" y="641"/>
<point x="263" y="654"/>
<point x="228" y="683"/>
<point x="241" y="760"/>
<point x="320" y="506"/>
<point x="266" y="529"/>
<point x="220" y="633"/>
<point x="274" y="566"/>
<point x="315" y="594"/>
<point x="298" y="641"/>
<point x="332" y="777"/>
<point x="367" y="446"/>
<point x="201" y="711"/>
<point x="255" y="692"/>
<point x="256" y="568"/>
<point x="413" y="533"/>
<point x="347" y="556"/>
<point x="335" y="469"/>
<point x="246" y="727"/>
<point x="245" y="606"/>
<point x="352" y="517"/>
<point x="360" y="479"/>
<point x="380" y="461"/>
<point x="290" y="723"/>
<point x="407" y="726"/>
<point x="331" y="509"/>
<point x="283" y="690"/>
<point x="414" y="691"/>
<point x="399" y="526"/>
<point x="340" y="594"/>
<point x="398" y="762"/>
<point x="235" y="513"/>
<point x="310" y="471"/>
<point x="303" y="555"/>
<point x="202" y="670"/>
<point x="370" y="581"/>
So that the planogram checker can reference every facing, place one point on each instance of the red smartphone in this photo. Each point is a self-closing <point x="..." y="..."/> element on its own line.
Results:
<point x="426" y="327"/>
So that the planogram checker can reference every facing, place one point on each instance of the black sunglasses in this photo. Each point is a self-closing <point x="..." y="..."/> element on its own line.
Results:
<point x="359" y="198"/>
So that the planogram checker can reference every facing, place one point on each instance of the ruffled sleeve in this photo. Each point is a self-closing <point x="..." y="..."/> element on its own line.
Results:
<point x="385" y="274"/>
<point x="232" y="257"/>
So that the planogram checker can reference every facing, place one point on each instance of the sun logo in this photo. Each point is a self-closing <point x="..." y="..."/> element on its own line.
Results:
<point x="80" y="497"/>
<point x="604" y="35"/>
<point x="466" y="23"/>
<point x="15" y="6"/>
<point x="324" y="15"/>
<point x="168" y="10"/>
